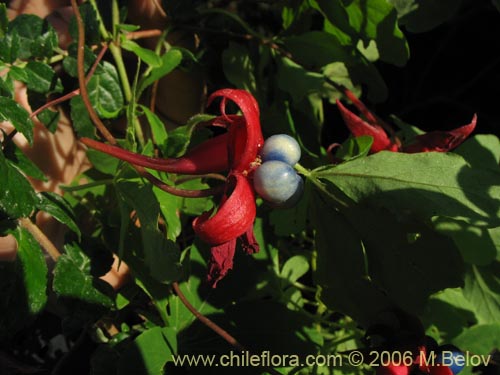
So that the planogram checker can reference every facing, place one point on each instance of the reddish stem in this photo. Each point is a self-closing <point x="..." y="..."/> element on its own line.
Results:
<point x="77" y="91"/>
<point x="81" y="77"/>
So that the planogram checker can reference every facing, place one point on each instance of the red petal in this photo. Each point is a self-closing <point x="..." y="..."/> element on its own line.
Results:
<point x="221" y="261"/>
<point x="249" y="242"/>
<point x="441" y="141"/>
<point x="359" y="127"/>
<point x="250" y="132"/>
<point x="393" y="370"/>
<point x="207" y="157"/>
<point x="234" y="217"/>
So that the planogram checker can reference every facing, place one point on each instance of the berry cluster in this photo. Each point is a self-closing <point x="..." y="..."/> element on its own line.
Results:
<point x="275" y="180"/>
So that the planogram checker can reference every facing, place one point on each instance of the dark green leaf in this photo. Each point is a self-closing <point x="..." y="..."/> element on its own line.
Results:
<point x="19" y="74"/>
<point x="105" y="92"/>
<point x="16" y="157"/>
<point x="479" y="339"/>
<point x="169" y="210"/>
<point x="49" y="118"/>
<point x="17" y="197"/>
<point x="427" y="14"/>
<point x="161" y="255"/>
<point x="44" y="44"/>
<point x="23" y="284"/>
<point x="341" y="265"/>
<point x="291" y="220"/>
<point x="481" y="151"/>
<point x="91" y="24"/>
<point x="475" y="244"/>
<point x="102" y="162"/>
<point x="18" y="116"/>
<point x="315" y="49"/>
<point x="82" y="123"/>
<point x="149" y="352"/>
<point x="28" y="28"/>
<point x="238" y="67"/>
<point x="482" y="289"/>
<point x="146" y="55"/>
<point x="70" y="63"/>
<point x="42" y="78"/>
<point x="427" y="184"/>
<point x="170" y="60"/>
<point x="73" y="279"/>
<point x="4" y="21"/>
<point x="9" y="47"/>
<point x="59" y="209"/>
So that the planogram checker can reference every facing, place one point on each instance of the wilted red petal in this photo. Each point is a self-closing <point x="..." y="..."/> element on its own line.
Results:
<point x="234" y="216"/>
<point x="359" y="127"/>
<point x="441" y="141"/>
<point x="440" y="370"/>
<point x="249" y="242"/>
<point x="393" y="370"/>
<point x="249" y="131"/>
<point x="208" y="157"/>
<point x="221" y="261"/>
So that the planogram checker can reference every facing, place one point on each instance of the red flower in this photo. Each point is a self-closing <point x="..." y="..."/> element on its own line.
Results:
<point x="419" y="364"/>
<point x="440" y="141"/>
<point x="235" y="151"/>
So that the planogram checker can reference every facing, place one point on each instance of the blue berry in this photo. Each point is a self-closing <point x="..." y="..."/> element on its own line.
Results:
<point x="278" y="183"/>
<point x="281" y="147"/>
<point x="455" y="360"/>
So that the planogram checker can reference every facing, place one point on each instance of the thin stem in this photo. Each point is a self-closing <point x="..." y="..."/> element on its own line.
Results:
<point x="215" y="176"/>
<point x="122" y="71"/>
<point x="74" y="92"/>
<point x="178" y="192"/>
<point x="143" y="34"/>
<point x="40" y="237"/>
<point x="202" y="318"/>
<point x="81" y="77"/>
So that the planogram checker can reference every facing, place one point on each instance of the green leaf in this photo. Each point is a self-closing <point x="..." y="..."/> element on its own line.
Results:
<point x="23" y="284"/>
<point x="17" y="197"/>
<point x="4" y="21"/>
<point x="161" y="255"/>
<point x="425" y="15"/>
<point x="482" y="289"/>
<point x="354" y="147"/>
<point x="297" y="81"/>
<point x="427" y="184"/>
<point x="44" y="44"/>
<point x="169" y="209"/>
<point x="18" y="116"/>
<point x="294" y="268"/>
<point x="90" y="22"/>
<point x="42" y="78"/>
<point x="146" y="55"/>
<point x="291" y="220"/>
<point x="104" y="163"/>
<point x="315" y="49"/>
<point x="475" y="244"/>
<point x="105" y="92"/>
<point x="28" y="28"/>
<point x="481" y="151"/>
<point x="82" y="123"/>
<point x="180" y="138"/>
<point x="341" y="269"/>
<point x="238" y="67"/>
<point x="149" y="352"/>
<point x="59" y="209"/>
<point x="9" y="47"/>
<point x="73" y="279"/>
<point x="49" y="118"/>
<point x="70" y="62"/>
<point x="170" y="60"/>
<point x="157" y="127"/>
<point x="16" y="157"/>
<point x="479" y="339"/>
